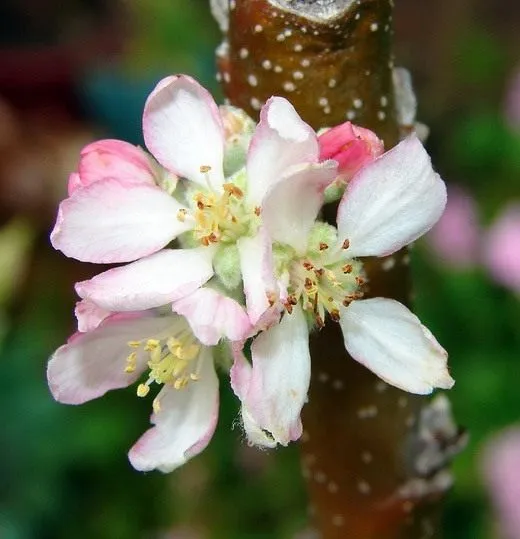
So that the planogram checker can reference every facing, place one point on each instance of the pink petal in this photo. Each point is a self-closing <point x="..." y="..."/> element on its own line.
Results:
<point x="92" y="363"/>
<point x="256" y="262"/>
<point x="184" y="425"/>
<point x="280" y="377"/>
<point x="502" y="248"/>
<point x="212" y="315"/>
<point x="74" y="183"/>
<point x="153" y="281"/>
<point x="388" y="339"/>
<point x="110" y="221"/>
<point x="351" y="146"/>
<point x="114" y="159"/>
<point x="291" y="206"/>
<point x="89" y="315"/>
<point x="281" y="140"/>
<point x="391" y="202"/>
<point x="183" y="129"/>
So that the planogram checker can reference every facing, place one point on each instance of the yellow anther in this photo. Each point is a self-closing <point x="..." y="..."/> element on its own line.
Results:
<point x="194" y="377"/>
<point x="205" y="168"/>
<point x="131" y="361"/>
<point x="134" y="344"/>
<point x="151" y="344"/>
<point x="181" y="215"/>
<point x="233" y="190"/>
<point x="143" y="390"/>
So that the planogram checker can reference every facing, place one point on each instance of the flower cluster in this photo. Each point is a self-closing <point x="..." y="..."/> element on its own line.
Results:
<point x="221" y="255"/>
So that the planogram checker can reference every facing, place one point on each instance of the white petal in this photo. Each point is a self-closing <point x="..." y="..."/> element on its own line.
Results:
<point x="256" y="263"/>
<point x="391" y="202"/>
<point x="110" y="221"/>
<point x="281" y="140"/>
<point x="92" y="363"/>
<point x="183" y="130"/>
<point x="213" y="315"/>
<point x="280" y="377"/>
<point x="184" y="424"/>
<point x="255" y="435"/>
<point x="153" y="281"/>
<point x="291" y="206"/>
<point x="387" y="338"/>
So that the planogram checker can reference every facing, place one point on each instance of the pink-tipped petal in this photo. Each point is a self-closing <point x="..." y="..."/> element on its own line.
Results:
<point x="114" y="159"/>
<point x="153" y="281"/>
<point x="92" y="363"/>
<point x="391" y="202"/>
<point x="212" y="315"/>
<point x="240" y="376"/>
<point x="388" y="339"/>
<point x="280" y="377"/>
<point x="89" y="315"/>
<point x="281" y="140"/>
<point x="110" y="221"/>
<point x="291" y="206"/>
<point x="256" y="262"/>
<point x="183" y="129"/>
<point x="184" y="425"/>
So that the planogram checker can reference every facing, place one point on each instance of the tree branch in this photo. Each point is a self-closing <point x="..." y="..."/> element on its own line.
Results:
<point x="364" y="440"/>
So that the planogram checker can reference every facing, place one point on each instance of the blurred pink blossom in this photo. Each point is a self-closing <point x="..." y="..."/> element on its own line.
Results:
<point x="501" y="249"/>
<point x="455" y="238"/>
<point x="501" y="469"/>
<point x="512" y="101"/>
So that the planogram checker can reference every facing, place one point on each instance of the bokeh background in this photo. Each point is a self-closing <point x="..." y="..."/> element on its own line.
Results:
<point x="76" y="71"/>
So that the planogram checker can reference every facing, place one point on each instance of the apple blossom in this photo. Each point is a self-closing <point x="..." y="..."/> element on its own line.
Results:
<point x="177" y="351"/>
<point x="223" y="223"/>
<point x="390" y="203"/>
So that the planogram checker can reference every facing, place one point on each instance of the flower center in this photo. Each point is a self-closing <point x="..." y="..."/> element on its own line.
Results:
<point x="323" y="284"/>
<point x="172" y="360"/>
<point x="220" y="217"/>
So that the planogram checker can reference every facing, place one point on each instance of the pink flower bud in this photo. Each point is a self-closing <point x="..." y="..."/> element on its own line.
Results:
<point x="455" y="238"/>
<point x="111" y="159"/>
<point x="351" y="146"/>
<point x="502" y="248"/>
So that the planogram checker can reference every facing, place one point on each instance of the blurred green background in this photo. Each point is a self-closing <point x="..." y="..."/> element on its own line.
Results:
<point x="80" y="71"/>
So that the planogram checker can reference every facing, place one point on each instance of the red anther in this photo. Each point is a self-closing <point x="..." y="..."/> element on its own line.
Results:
<point x="346" y="244"/>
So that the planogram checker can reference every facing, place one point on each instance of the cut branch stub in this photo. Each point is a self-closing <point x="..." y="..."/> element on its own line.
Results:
<point x="332" y="60"/>
<point x="331" y="70"/>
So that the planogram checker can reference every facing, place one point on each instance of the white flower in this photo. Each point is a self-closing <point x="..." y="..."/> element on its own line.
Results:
<point x="226" y="225"/>
<point x="177" y="355"/>
<point x="387" y="205"/>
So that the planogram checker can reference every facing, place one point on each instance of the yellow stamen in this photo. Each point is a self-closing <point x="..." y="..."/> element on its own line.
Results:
<point x="143" y="390"/>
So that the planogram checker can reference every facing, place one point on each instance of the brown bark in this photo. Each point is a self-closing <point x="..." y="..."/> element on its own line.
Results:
<point x="362" y="438"/>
